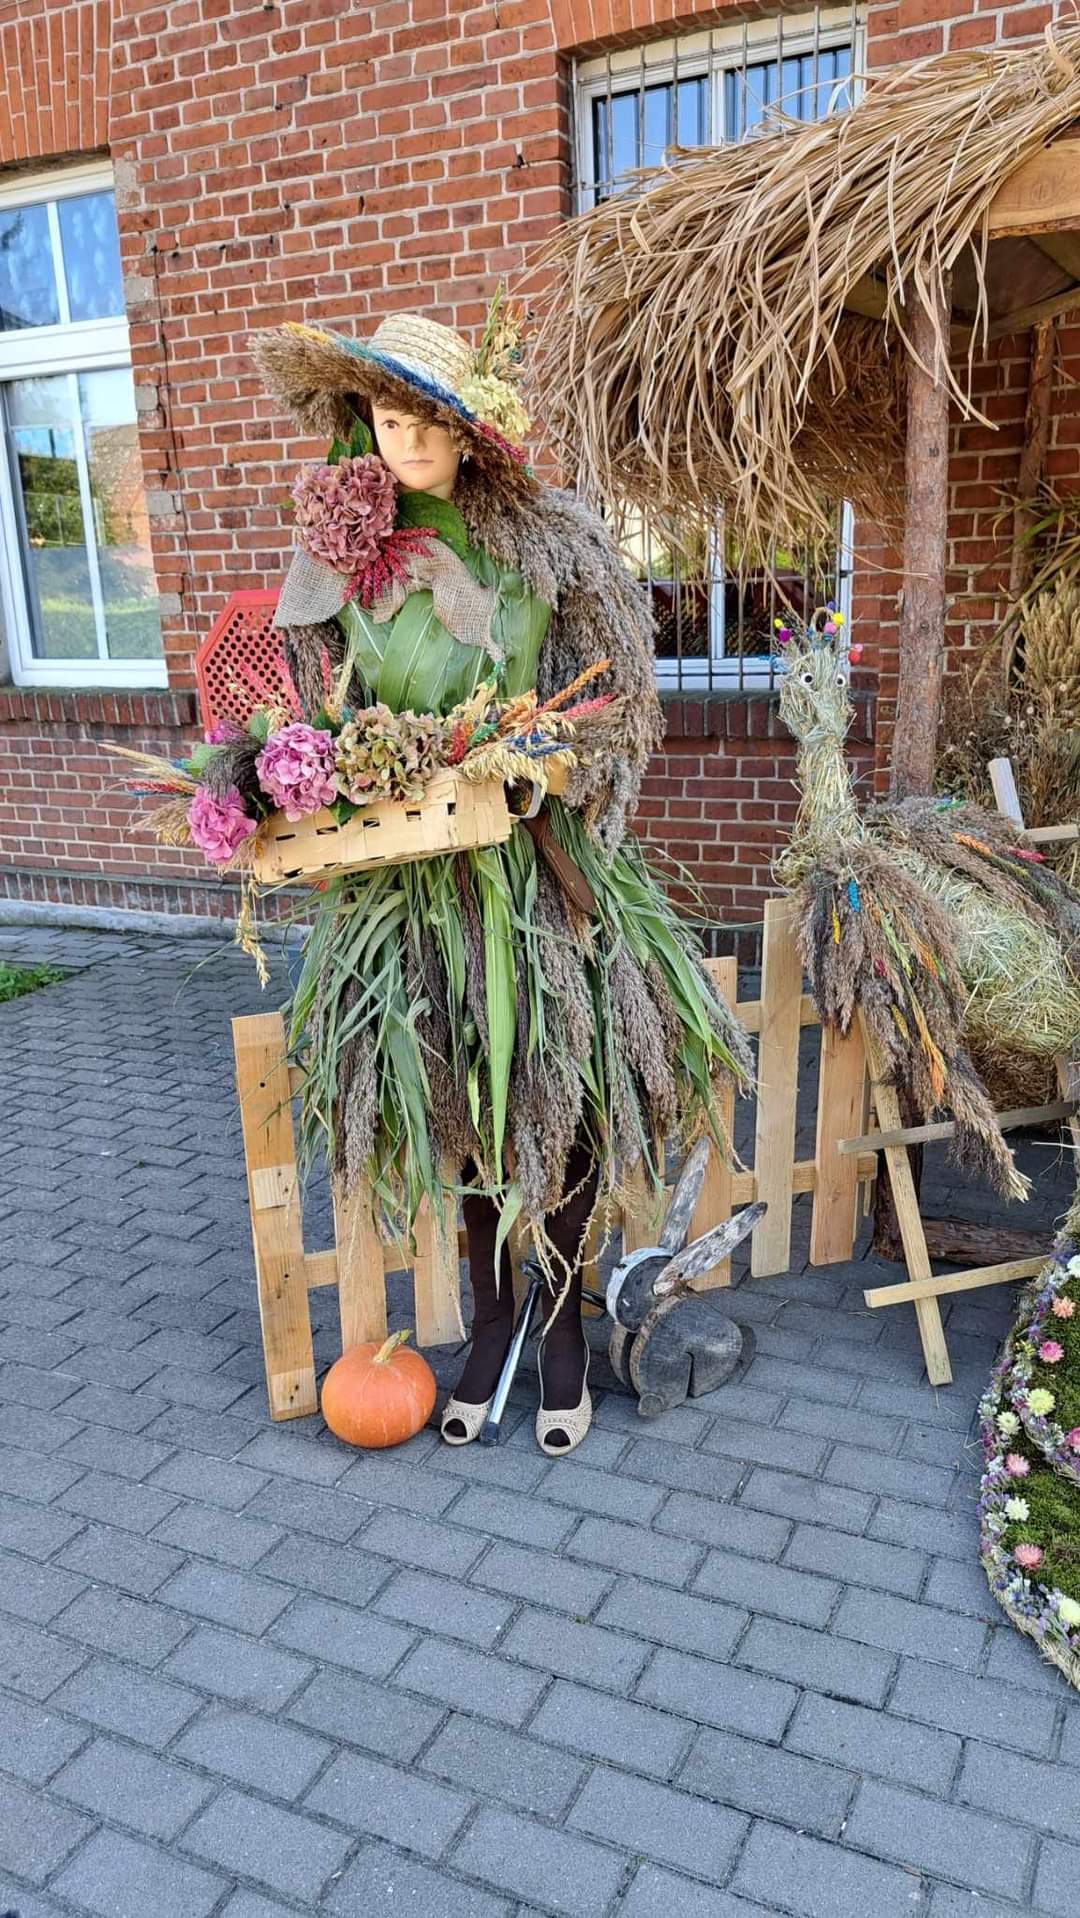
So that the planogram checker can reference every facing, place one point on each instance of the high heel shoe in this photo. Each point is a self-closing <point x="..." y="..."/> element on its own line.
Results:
<point x="574" y="1422"/>
<point x="470" y="1416"/>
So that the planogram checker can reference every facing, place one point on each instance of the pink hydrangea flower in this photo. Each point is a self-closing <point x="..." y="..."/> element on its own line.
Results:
<point x="1017" y="1465"/>
<point x="219" y="826"/>
<point x="1072" y="1439"/>
<point x="1063" y="1308"/>
<point x="1050" y="1352"/>
<point x="345" y="512"/>
<point x="1028" y="1557"/>
<point x="296" y="768"/>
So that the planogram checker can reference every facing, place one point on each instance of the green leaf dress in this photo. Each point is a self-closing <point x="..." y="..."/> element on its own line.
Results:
<point x="459" y="1010"/>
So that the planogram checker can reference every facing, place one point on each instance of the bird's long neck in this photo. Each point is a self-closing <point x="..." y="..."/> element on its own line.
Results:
<point x="828" y="816"/>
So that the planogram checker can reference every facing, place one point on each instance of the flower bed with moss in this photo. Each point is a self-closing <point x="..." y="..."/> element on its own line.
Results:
<point x="16" y="980"/>
<point x="1029" y="1508"/>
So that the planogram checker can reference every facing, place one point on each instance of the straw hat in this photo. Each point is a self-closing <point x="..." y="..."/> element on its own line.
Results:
<point x="411" y="360"/>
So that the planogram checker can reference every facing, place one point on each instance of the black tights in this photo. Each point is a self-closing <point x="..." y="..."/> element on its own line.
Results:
<point x="493" y="1309"/>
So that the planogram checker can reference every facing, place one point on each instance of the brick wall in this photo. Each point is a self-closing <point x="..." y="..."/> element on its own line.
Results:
<point x="305" y="157"/>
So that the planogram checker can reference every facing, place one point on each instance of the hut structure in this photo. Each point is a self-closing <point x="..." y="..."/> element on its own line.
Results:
<point x="770" y="328"/>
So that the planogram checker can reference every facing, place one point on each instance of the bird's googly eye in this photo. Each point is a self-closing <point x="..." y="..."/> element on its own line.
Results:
<point x="841" y="679"/>
<point x="807" y="678"/>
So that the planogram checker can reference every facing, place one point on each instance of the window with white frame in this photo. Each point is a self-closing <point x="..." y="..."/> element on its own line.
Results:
<point x="715" y="608"/>
<point x="77" y="585"/>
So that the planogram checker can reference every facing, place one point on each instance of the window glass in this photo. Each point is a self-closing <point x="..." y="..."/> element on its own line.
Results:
<point x="43" y="435"/>
<point x="79" y="497"/>
<point x="91" y="249"/>
<point x="638" y="126"/>
<point x="28" y="294"/>
<point x="121" y="527"/>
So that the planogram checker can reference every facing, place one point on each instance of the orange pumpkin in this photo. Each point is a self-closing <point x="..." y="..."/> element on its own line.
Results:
<point x="376" y="1395"/>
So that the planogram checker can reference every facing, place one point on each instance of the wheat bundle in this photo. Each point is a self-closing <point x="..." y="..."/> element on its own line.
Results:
<point x="695" y="351"/>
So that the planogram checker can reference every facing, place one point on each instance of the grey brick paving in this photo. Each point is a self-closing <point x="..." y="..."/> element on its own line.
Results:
<point x="118" y="1877"/>
<point x="740" y="1661"/>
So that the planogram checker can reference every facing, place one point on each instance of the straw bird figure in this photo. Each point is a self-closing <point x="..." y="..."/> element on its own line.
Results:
<point x="923" y="915"/>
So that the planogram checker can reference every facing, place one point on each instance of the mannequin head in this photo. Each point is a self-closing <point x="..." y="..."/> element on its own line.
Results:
<point x="421" y="455"/>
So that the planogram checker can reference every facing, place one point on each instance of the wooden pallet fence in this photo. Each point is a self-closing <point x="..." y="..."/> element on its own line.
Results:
<point x="360" y="1258"/>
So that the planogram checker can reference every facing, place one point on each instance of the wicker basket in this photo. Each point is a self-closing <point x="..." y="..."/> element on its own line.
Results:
<point x="453" y="814"/>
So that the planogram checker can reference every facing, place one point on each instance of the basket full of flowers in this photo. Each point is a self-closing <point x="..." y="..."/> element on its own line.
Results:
<point x="282" y="800"/>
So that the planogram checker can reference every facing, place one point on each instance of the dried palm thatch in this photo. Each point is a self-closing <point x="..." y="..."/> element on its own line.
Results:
<point x="696" y="353"/>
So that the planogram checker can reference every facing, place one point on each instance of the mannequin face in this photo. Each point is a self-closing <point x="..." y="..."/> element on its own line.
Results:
<point x="421" y="456"/>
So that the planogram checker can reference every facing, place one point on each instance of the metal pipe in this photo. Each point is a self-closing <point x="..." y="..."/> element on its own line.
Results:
<point x="490" y="1431"/>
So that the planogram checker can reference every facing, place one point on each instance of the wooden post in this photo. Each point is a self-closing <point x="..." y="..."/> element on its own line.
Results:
<point x="262" y="1078"/>
<point x="778" y="1086"/>
<point x="361" y="1285"/>
<point x="714" y="1201"/>
<point x="437" y="1272"/>
<point x="841" y="1097"/>
<point x="921" y="636"/>
<point x="908" y="1218"/>
<point x="1030" y="477"/>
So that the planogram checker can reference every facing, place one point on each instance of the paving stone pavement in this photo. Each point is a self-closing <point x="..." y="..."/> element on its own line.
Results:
<point x="740" y="1660"/>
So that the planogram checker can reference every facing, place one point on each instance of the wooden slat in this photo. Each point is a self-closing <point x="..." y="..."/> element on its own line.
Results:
<point x="778" y="1080"/>
<point x="714" y="1202"/>
<point x="320" y="1268"/>
<point x="908" y="1218"/>
<point x="1068" y="1078"/>
<point x="841" y="1083"/>
<point x="296" y="1080"/>
<point x="437" y="1272"/>
<point x="1051" y="835"/>
<point x="921" y="1291"/>
<point x="272" y="1185"/>
<point x="361" y="1281"/>
<point x="1063" y="248"/>
<point x="1042" y="194"/>
<point x="803" y="1179"/>
<point x="1003" y="785"/>
<point x="643" y="1212"/>
<point x="946" y="1128"/>
<point x="262" y="1079"/>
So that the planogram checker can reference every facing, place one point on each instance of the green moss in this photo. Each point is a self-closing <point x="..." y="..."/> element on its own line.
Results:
<point x="1054" y="1523"/>
<point x="15" y="980"/>
<point x="1063" y="1379"/>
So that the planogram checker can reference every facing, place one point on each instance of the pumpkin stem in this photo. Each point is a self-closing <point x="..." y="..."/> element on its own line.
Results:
<point x="390" y="1346"/>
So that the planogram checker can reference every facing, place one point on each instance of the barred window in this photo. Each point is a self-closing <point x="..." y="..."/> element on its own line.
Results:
<point x="715" y="607"/>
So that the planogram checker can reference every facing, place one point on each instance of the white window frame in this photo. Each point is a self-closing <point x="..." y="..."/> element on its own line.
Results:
<point x="715" y="52"/>
<point x="71" y="347"/>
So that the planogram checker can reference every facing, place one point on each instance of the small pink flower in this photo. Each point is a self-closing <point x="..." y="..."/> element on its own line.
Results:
<point x="1050" y="1352"/>
<point x="1063" y="1308"/>
<point x="1017" y="1465"/>
<point x="296" y="768"/>
<point x="219" y="826"/>
<point x="1072" y="1439"/>
<point x="1028" y="1557"/>
<point x="222" y="731"/>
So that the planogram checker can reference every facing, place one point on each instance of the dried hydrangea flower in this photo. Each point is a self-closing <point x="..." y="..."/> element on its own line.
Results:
<point x="1028" y="1557"/>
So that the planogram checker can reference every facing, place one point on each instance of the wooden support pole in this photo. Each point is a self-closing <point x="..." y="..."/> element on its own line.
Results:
<point x="1030" y="477"/>
<point x="262" y="1081"/>
<point x="905" y="1198"/>
<point x="921" y="636"/>
<point x="714" y="1201"/>
<point x="778" y="1086"/>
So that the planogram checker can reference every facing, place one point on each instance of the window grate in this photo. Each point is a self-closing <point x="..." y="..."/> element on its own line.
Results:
<point x="715" y="608"/>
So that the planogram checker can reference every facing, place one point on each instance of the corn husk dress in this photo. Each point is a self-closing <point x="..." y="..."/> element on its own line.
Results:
<point x="464" y="1008"/>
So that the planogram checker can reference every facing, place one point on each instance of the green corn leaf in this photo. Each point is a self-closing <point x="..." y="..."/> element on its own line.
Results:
<point x="499" y="985"/>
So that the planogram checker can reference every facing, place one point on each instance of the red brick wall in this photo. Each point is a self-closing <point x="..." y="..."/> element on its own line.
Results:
<point x="311" y="158"/>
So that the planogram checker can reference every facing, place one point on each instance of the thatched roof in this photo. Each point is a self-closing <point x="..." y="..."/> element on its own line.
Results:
<point x="698" y="348"/>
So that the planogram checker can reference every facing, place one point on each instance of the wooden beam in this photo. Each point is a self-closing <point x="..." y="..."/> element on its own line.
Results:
<point x="946" y="1128"/>
<point x="1062" y="248"/>
<point x="931" y="1288"/>
<point x="921" y="637"/>
<point x="1034" y="315"/>
<point x="1043" y="193"/>
<point x="867" y="298"/>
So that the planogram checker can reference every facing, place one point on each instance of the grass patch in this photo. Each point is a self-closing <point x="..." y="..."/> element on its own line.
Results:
<point x="17" y="980"/>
